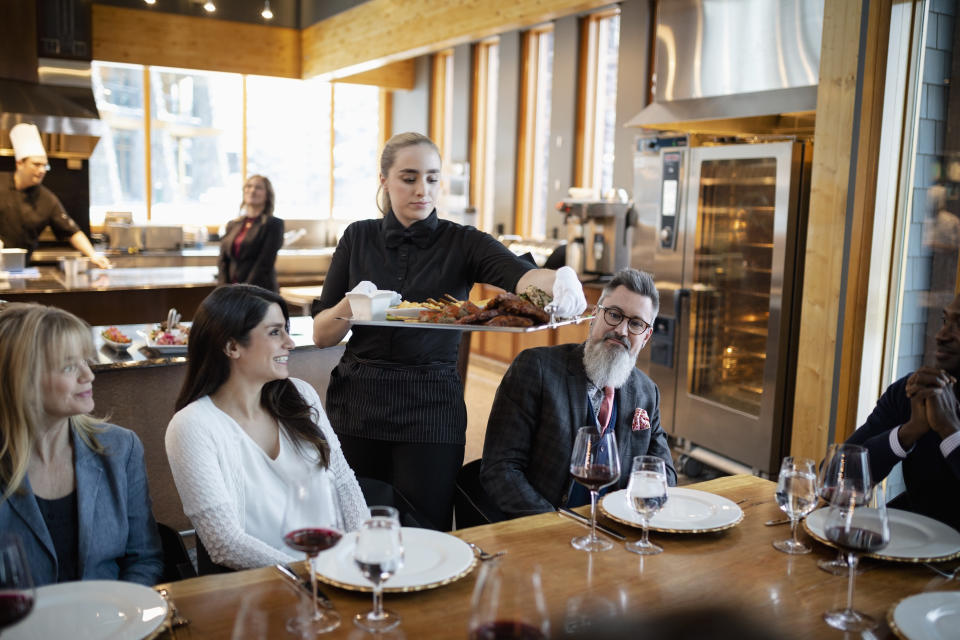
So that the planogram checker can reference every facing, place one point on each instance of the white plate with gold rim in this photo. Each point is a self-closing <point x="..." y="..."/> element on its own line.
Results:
<point x="685" y="511"/>
<point x="934" y="615"/>
<point x="913" y="537"/>
<point x="92" y="610"/>
<point x="430" y="559"/>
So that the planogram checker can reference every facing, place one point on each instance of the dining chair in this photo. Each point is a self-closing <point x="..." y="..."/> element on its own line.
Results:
<point x="471" y="504"/>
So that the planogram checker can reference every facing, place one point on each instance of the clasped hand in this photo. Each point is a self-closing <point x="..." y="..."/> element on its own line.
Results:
<point x="933" y="405"/>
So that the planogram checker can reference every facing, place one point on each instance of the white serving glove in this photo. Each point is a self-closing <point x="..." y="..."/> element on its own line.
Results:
<point x="568" y="298"/>
<point x="365" y="287"/>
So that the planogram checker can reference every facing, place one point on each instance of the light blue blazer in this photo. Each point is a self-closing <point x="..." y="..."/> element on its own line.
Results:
<point x="117" y="537"/>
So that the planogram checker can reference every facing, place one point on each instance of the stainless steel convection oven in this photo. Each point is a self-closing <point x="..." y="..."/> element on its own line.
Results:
<point x="721" y="228"/>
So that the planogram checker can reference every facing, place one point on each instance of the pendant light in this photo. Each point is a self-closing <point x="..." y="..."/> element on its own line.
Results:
<point x="267" y="14"/>
<point x="209" y="7"/>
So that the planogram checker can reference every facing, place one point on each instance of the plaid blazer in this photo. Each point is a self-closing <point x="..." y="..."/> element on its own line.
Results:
<point x="540" y="404"/>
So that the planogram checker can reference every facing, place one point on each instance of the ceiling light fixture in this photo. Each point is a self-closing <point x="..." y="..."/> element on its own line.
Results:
<point x="267" y="13"/>
<point x="209" y="7"/>
<point x="150" y="2"/>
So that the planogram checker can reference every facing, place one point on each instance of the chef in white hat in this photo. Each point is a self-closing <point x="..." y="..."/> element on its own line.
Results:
<point x="27" y="207"/>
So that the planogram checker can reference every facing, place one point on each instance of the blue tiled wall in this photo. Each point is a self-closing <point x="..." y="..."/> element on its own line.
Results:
<point x="930" y="139"/>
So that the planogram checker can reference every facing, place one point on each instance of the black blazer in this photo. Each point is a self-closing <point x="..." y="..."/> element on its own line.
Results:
<point x="256" y="261"/>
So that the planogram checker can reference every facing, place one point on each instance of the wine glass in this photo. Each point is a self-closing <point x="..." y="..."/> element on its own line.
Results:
<point x="508" y="603"/>
<point x="646" y="495"/>
<point x="857" y="523"/>
<point x="844" y="464"/>
<point x="312" y="522"/>
<point x="595" y="464"/>
<point x="796" y="496"/>
<point x="379" y="555"/>
<point x="16" y="585"/>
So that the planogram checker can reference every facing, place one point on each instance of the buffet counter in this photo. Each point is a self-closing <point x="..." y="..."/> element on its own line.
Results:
<point x="137" y="389"/>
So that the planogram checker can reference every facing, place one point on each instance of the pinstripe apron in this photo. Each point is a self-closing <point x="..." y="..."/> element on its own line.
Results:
<point x="399" y="403"/>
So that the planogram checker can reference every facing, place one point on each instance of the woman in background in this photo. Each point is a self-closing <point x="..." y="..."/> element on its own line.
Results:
<point x="396" y="399"/>
<point x="248" y="249"/>
<point x="74" y="489"/>
<point x="244" y="431"/>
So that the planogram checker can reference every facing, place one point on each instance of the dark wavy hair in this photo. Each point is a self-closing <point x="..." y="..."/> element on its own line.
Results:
<point x="230" y="312"/>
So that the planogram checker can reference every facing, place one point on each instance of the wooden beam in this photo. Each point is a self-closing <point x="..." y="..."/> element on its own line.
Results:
<point x="154" y="38"/>
<point x="396" y="75"/>
<point x="380" y="31"/>
<point x="840" y="223"/>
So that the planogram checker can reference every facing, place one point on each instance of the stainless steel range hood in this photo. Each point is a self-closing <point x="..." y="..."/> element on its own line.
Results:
<point x="61" y="105"/>
<point x="749" y="66"/>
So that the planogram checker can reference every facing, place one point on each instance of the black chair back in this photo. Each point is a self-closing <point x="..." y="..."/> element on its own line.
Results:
<point x="176" y="560"/>
<point x="471" y="504"/>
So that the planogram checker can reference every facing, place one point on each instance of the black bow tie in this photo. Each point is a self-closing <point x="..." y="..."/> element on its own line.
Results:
<point x="418" y="234"/>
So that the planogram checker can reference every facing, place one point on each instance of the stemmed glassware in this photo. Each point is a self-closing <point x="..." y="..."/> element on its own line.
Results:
<point x="646" y="495"/>
<point x="508" y="603"/>
<point x="16" y="585"/>
<point x="312" y="522"/>
<point x="796" y="496"/>
<point x="845" y="464"/>
<point x="857" y="523"/>
<point x="379" y="555"/>
<point x="595" y="464"/>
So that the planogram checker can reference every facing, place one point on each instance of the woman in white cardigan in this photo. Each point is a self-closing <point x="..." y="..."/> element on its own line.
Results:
<point x="244" y="431"/>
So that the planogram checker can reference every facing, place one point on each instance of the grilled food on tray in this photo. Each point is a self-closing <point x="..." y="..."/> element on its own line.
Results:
<point x="505" y="310"/>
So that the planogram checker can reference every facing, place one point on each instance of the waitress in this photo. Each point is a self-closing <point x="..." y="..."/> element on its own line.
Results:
<point x="248" y="250"/>
<point x="395" y="399"/>
<point x="27" y="207"/>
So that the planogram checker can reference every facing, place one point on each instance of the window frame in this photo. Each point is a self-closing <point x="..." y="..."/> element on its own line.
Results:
<point x="483" y="130"/>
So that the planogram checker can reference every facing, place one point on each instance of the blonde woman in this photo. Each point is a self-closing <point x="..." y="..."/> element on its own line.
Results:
<point x="395" y="399"/>
<point x="248" y="250"/>
<point x="74" y="489"/>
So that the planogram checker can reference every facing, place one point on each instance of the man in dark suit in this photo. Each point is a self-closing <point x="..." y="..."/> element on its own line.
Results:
<point x="550" y="392"/>
<point x="917" y="421"/>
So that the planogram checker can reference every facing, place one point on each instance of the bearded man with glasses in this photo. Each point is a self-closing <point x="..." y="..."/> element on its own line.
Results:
<point x="550" y="392"/>
<point x="917" y="422"/>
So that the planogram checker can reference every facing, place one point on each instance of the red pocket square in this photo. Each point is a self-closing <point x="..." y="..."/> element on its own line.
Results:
<point x="641" y="421"/>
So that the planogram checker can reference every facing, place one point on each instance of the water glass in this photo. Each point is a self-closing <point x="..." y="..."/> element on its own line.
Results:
<point x="796" y="496"/>
<point x="379" y="555"/>
<point x="646" y="495"/>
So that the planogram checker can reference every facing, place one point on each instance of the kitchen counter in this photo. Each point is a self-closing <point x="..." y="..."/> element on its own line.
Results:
<point x="52" y="280"/>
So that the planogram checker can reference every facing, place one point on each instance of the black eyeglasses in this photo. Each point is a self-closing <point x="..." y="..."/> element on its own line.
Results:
<point x="614" y="317"/>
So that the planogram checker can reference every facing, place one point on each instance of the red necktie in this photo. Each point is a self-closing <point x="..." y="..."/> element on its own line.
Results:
<point x="606" y="406"/>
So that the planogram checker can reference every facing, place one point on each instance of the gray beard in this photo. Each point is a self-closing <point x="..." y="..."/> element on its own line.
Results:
<point x="607" y="365"/>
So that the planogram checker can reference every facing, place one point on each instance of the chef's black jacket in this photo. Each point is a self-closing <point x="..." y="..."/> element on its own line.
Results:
<point x="24" y="215"/>
<point x="429" y="260"/>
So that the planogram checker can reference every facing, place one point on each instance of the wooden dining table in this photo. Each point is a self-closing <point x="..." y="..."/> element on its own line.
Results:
<point x="737" y="570"/>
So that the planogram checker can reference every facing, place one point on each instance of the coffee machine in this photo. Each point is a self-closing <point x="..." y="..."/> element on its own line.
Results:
<point x="599" y="235"/>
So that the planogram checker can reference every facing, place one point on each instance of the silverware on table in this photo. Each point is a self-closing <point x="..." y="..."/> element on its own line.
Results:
<point x="483" y="555"/>
<point x="773" y="523"/>
<point x="584" y="520"/>
<point x="949" y="575"/>
<point x="293" y="579"/>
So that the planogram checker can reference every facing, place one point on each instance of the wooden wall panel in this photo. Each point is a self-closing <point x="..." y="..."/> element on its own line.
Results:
<point x="843" y="187"/>
<point x="381" y="31"/>
<point x="153" y="38"/>
<point x="396" y="75"/>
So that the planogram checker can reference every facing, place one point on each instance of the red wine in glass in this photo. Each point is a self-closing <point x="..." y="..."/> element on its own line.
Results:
<point x="14" y="607"/>
<point x="507" y="630"/>
<point x="312" y="541"/>
<point x="594" y="476"/>
<point x="855" y="539"/>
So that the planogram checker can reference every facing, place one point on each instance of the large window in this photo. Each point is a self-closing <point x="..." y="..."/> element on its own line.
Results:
<point x="484" y="136"/>
<point x="288" y="132"/>
<point x="318" y="144"/>
<point x="534" y="143"/>
<point x="196" y="145"/>
<point x="117" y="170"/>
<point x="597" y="108"/>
